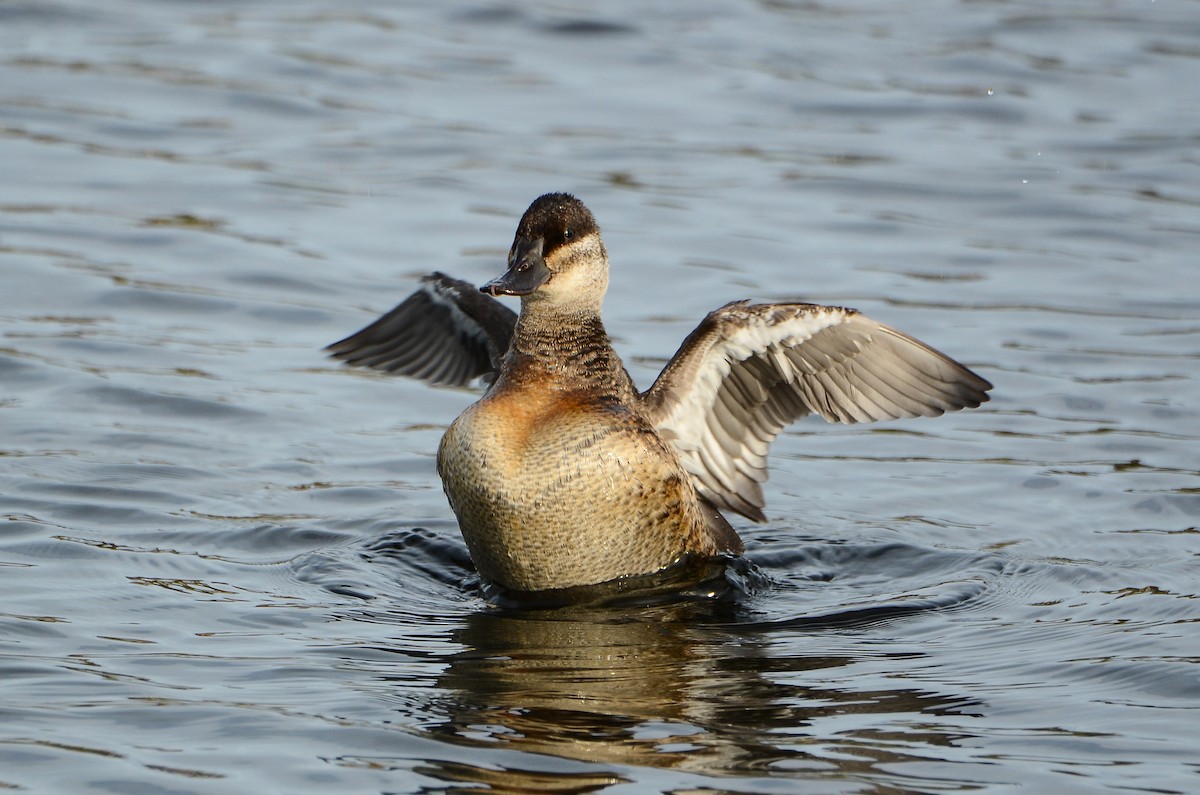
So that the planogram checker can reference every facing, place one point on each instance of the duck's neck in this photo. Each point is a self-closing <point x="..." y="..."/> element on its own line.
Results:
<point x="570" y="349"/>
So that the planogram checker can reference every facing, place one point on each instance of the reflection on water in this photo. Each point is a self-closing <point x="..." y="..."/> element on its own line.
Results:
<point x="515" y="780"/>
<point x="774" y="683"/>
<point x="664" y="688"/>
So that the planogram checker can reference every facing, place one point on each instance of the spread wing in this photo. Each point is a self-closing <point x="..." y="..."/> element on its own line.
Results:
<point x="447" y="332"/>
<point x="748" y="371"/>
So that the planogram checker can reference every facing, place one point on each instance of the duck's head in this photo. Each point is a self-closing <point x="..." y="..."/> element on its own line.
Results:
<point x="556" y="256"/>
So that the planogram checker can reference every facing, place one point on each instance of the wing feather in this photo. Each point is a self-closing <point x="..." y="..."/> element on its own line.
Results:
<point x="886" y="382"/>
<point x="446" y="332"/>
<point x="748" y="371"/>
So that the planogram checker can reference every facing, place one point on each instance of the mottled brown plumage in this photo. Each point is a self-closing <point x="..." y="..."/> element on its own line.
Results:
<point x="563" y="474"/>
<point x="558" y="479"/>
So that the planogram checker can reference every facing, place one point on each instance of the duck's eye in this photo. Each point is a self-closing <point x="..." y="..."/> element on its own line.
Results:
<point x="568" y="234"/>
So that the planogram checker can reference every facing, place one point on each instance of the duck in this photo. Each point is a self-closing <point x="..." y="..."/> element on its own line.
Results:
<point x="564" y="474"/>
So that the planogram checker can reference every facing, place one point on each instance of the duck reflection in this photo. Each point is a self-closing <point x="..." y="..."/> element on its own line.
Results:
<point x="682" y="686"/>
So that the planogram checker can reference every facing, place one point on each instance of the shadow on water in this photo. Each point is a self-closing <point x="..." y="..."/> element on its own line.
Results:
<point x="718" y="681"/>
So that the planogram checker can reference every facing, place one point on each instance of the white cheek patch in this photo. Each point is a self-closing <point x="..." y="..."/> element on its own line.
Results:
<point x="579" y="273"/>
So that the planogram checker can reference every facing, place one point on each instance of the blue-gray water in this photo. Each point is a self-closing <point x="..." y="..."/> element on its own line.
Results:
<point x="226" y="564"/>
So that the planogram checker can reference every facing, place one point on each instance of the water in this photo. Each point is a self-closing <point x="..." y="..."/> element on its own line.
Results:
<point x="226" y="564"/>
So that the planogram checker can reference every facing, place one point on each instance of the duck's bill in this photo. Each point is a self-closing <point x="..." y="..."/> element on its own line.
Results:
<point x="527" y="273"/>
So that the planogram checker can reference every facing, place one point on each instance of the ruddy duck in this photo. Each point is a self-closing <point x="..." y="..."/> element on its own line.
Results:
<point x="564" y="474"/>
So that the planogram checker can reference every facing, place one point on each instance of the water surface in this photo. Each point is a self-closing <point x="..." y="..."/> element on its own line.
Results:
<point x="226" y="564"/>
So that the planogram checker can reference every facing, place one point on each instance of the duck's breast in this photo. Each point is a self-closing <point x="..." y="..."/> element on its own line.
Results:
<point x="555" y="489"/>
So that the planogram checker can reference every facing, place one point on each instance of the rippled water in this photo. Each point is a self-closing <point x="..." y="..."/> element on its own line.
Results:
<point x="226" y="564"/>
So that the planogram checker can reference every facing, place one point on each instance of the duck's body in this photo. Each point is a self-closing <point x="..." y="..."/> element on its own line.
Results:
<point x="563" y="474"/>
<point x="559" y="480"/>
